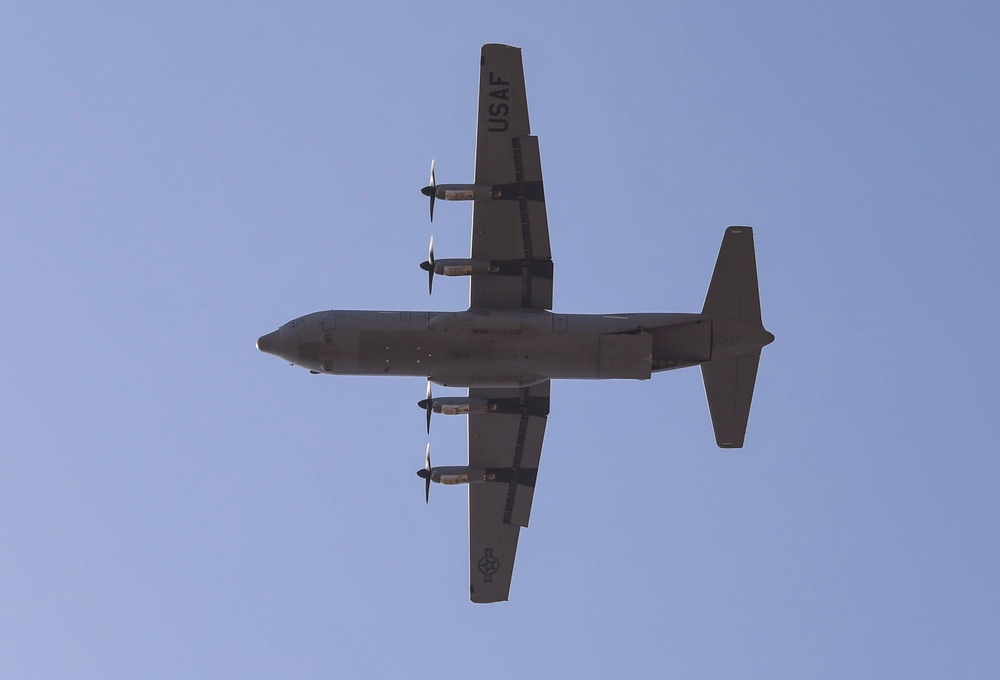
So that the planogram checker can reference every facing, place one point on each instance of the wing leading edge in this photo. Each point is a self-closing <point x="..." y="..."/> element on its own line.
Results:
<point x="508" y="444"/>
<point x="511" y="228"/>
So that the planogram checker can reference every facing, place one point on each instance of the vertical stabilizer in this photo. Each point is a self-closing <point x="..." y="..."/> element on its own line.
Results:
<point x="733" y="303"/>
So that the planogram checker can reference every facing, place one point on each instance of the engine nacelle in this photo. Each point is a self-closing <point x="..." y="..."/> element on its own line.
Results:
<point x="466" y="192"/>
<point x="461" y="406"/>
<point x="465" y="267"/>
<point x="461" y="474"/>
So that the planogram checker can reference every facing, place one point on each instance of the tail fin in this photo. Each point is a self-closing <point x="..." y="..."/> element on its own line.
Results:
<point x="733" y="303"/>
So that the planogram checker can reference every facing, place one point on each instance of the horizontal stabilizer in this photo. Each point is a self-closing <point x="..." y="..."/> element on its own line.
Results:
<point x="733" y="303"/>
<point x="729" y="388"/>
<point x="733" y="293"/>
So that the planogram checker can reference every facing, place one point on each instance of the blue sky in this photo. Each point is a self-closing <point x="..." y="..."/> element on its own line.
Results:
<point x="177" y="180"/>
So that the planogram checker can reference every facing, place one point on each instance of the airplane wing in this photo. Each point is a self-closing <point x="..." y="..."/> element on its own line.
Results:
<point x="510" y="229"/>
<point x="508" y="443"/>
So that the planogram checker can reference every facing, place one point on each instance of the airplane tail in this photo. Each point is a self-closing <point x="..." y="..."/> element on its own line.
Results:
<point x="738" y="334"/>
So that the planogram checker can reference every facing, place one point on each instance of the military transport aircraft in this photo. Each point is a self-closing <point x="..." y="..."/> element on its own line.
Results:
<point x="508" y="346"/>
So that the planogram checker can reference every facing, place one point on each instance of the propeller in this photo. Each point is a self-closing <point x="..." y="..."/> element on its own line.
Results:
<point x="428" y="267"/>
<point x="425" y="474"/>
<point x="431" y="190"/>
<point x="427" y="403"/>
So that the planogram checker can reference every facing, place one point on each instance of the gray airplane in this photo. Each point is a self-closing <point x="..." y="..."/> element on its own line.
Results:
<point x="508" y="346"/>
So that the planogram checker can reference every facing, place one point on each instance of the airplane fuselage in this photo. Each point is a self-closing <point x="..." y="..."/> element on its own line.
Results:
<point x="494" y="348"/>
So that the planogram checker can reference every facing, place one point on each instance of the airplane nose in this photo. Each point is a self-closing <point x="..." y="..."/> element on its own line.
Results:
<point x="270" y="343"/>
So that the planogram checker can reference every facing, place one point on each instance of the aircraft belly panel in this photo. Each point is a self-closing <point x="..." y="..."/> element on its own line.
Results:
<point x="626" y="356"/>
<point x="339" y="352"/>
<point x="518" y="360"/>
<point x="500" y="350"/>
<point x="395" y="352"/>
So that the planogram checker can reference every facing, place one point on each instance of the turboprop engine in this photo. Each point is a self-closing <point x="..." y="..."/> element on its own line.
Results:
<point x="457" y="474"/>
<point x="467" y="266"/>
<point x="463" y="266"/>
<point x="454" y="406"/>
<point x="463" y="406"/>
<point x="459" y="192"/>
<point x="453" y="474"/>
<point x="458" y="406"/>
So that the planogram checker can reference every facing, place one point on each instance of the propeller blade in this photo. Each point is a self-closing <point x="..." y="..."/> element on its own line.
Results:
<point x="430" y="268"/>
<point x="427" y="477"/>
<point x="428" y="404"/>
<point x="431" y="190"/>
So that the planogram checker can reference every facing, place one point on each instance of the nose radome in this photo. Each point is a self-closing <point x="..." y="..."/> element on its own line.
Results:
<point x="270" y="343"/>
